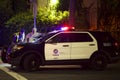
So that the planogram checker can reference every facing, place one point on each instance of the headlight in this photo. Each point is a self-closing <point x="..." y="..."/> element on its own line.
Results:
<point x="19" y="47"/>
<point x="15" y="51"/>
<point x="16" y="47"/>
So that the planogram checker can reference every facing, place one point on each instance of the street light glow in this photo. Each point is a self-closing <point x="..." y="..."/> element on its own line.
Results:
<point x="54" y="2"/>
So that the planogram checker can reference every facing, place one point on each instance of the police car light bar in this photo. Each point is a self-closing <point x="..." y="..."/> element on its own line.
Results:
<point x="67" y="28"/>
<point x="64" y="28"/>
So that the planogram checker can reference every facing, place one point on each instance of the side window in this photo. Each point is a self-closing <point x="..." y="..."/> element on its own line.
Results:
<point x="71" y="37"/>
<point x="80" y="37"/>
<point x="60" y="38"/>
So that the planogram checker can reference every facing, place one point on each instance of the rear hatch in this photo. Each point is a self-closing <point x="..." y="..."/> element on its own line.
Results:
<point x="106" y="42"/>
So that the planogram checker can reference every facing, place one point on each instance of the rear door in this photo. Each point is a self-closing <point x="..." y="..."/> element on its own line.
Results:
<point x="57" y="47"/>
<point x="83" y="45"/>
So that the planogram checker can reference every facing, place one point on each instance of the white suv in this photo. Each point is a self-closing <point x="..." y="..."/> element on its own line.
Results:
<point x="93" y="49"/>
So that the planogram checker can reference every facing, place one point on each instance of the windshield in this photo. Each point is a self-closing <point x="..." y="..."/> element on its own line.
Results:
<point x="45" y="37"/>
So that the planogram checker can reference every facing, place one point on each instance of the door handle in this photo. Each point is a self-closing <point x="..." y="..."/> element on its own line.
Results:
<point x="91" y="44"/>
<point x="65" y="45"/>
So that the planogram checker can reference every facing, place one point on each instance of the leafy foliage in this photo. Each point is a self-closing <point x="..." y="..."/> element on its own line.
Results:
<point x="16" y="23"/>
<point x="21" y="20"/>
<point x="5" y="11"/>
<point x="8" y="8"/>
<point x="52" y="16"/>
<point x="46" y="17"/>
<point x="109" y="17"/>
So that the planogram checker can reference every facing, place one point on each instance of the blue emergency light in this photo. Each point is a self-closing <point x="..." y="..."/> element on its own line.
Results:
<point x="67" y="28"/>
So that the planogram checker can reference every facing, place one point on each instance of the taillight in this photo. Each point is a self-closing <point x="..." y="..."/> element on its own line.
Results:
<point x="116" y="44"/>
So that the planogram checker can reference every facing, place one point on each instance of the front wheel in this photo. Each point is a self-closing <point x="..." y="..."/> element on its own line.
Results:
<point x="31" y="62"/>
<point x="99" y="62"/>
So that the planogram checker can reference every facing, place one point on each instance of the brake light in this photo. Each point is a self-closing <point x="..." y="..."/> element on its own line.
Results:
<point x="116" y="44"/>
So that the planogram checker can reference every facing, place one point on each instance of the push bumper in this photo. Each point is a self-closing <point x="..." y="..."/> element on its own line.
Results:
<point x="15" y="61"/>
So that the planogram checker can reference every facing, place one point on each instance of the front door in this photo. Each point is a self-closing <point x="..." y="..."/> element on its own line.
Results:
<point x="57" y="48"/>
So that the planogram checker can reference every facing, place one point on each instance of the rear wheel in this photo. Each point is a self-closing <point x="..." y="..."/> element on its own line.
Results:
<point x="31" y="62"/>
<point x="99" y="62"/>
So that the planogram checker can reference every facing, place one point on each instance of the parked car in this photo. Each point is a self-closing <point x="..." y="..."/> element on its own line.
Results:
<point x="94" y="49"/>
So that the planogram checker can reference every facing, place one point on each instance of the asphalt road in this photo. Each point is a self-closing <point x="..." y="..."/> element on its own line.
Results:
<point x="74" y="73"/>
<point x="70" y="72"/>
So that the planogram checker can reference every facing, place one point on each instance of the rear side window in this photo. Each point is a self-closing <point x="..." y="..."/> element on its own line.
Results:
<point x="80" y="37"/>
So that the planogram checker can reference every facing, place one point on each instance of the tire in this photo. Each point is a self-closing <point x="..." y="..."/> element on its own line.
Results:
<point x="99" y="62"/>
<point x="3" y="55"/>
<point x="31" y="63"/>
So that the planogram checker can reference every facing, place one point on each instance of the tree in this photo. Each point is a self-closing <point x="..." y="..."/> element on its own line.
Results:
<point x="19" y="5"/>
<point x="108" y="10"/>
<point x="51" y="15"/>
<point x="5" y="11"/>
<point x="109" y="17"/>
<point x="8" y="10"/>
<point x="46" y="17"/>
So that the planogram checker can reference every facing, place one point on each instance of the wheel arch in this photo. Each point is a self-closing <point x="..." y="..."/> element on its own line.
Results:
<point x="101" y="52"/>
<point x="31" y="52"/>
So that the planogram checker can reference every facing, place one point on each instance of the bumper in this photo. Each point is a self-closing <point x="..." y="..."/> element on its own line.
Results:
<point x="15" y="61"/>
<point x="115" y="59"/>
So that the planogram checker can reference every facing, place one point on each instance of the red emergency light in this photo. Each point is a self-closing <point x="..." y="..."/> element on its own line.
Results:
<point x="67" y="28"/>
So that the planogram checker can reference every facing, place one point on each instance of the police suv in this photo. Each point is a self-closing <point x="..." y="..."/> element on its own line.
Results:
<point x="94" y="49"/>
